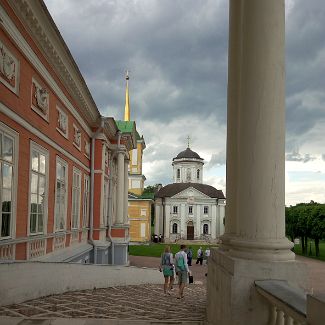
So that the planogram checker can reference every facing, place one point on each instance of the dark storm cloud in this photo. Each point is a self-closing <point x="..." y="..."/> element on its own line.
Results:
<point x="296" y="156"/>
<point x="305" y="67"/>
<point x="176" y="51"/>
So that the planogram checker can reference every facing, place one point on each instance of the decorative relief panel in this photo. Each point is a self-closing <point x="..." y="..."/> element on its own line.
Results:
<point x="87" y="148"/>
<point x="76" y="137"/>
<point x="9" y="69"/>
<point x="62" y="122"/>
<point x="40" y="99"/>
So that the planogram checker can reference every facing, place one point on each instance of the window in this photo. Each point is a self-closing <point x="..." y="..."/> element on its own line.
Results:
<point x="206" y="210"/>
<point x="62" y="122"/>
<point x="205" y="229"/>
<point x="7" y="162"/>
<point x="174" y="228"/>
<point x="61" y="194"/>
<point x="76" y="192"/>
<point x="175" y="209"/>
<point x="178" y="173"/>
<point x="198" y="174"/>
<point x="134" y="156"/>
<point x="85" y="208"/>
<point x="190" y="209"/>
<point x="38" y="189"/>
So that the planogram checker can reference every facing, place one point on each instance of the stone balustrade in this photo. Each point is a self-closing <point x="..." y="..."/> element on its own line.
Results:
<point x="287" y="304"/>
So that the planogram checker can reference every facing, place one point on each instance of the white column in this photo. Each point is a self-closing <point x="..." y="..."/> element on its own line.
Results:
<point x="254" y="245"/>
<point x="221" y="209"/>
<point x="167" y="220"/>
<point x="126" y="191"/>
<point x="183" y="216"/>
<point x="256" y="131"/>
<point x="157" y="219"/>
<point x="120" y="188"/>
<point x="198" y="222"/>
<point x="214" y="223"/>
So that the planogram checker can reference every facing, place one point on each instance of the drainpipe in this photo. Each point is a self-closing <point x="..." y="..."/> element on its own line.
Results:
<point x="92" y="180"/>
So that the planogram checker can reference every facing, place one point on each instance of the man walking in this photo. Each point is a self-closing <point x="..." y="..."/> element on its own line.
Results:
<point x="199" y="256"/>
<point x="182" y="270"/>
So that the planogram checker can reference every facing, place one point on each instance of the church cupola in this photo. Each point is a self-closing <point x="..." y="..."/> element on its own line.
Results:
<point x="188" y="167"/>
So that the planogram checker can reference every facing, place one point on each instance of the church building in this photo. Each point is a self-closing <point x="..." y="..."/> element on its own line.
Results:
<point x="188" y="209"/>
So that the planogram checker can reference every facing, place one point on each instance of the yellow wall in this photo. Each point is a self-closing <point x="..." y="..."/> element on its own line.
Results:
<point x="140" y="223"/>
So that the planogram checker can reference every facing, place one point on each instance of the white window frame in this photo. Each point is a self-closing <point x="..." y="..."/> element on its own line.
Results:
<point x="206" y="224"/>
<point x="36" y="147"/>
<point x="65" y="164"/>
<point x="4" y="129"/>
<point x="178" y="173"/>
<point x="190" y="209"/>
<point x="143" y="212"/>
<point x="175" y="209"/>
<point x="75" y="196"/>
<point x="206" y="209"/>
<point x="174" y="223"/>
<point x="134" y="156"/>
<point x="86" y="201"/>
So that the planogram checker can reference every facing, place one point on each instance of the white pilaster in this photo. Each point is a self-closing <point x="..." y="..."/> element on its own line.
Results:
<point x="214" y="223"/>
<point x="126" y="190"/>
<point x="183" y="217"/>
<point x="120" y="188"/>
<point x="198" y="222"/>
<point x="167" y="222"/>
<point x="157" y="219"/>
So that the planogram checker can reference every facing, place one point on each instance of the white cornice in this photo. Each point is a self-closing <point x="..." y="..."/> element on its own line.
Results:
<point x="38" y="22"/>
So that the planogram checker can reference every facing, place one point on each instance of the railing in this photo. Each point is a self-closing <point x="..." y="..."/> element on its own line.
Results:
<point x="287" y="304"/>
<point x="7" y="252"/>
<point x="59" y="242"/>
<point x="36" y="248"/>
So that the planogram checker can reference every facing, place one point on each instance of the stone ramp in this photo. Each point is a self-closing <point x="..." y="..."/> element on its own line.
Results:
<point x="80" y="321"/>
<point x="135" y="304"/>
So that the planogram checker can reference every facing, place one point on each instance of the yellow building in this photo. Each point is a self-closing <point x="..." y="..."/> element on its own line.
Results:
<point x="139" y="204"/>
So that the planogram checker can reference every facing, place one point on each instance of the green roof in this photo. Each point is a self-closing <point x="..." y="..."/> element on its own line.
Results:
<point x="147" y="196"/>
<point x="125" y="126"/>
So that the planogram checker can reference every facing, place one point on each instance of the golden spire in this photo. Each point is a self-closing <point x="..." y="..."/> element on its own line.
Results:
<point x="127" y="99"/>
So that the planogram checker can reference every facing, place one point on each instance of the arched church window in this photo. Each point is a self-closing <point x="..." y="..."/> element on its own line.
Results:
<point x="175" y="228"/>
<point x="188" y="174"/>
<point x="205" y="229"/>
<point x="178" y="173"/>
<point x="198" y="174"/>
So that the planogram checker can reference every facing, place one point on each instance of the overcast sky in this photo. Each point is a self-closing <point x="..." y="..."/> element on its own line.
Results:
<point x="176" y="51"/>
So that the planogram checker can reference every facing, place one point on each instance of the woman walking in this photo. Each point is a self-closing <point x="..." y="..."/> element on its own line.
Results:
<point x="167" y="267"/>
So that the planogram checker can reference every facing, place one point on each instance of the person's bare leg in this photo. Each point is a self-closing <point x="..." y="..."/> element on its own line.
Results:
<point x="171" y="282"/>
<point x="181" y="290"/>
<point x="166" y="284"/>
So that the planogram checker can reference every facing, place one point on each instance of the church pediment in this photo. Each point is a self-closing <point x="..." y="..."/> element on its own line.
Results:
<point x="190" y="193"/>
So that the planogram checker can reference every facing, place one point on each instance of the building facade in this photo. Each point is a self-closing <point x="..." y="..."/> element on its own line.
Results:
<point x="187" y="208"/>
<point x="63" y="168"/>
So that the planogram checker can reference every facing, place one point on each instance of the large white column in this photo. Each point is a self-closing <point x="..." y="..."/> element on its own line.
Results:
<point x="126" y="191"/>
<point x="157" y="219"/>
<point x="120" y="188"/>
<point x="254" y="246"/>
<point x="256" y="132"/>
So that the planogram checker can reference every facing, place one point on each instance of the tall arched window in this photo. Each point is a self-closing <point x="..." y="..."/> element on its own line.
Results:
<point x="175" y="228"/>
<point x="205" y="229"/>
<point x="178" y="173"/>
<point x="198" y="174"/>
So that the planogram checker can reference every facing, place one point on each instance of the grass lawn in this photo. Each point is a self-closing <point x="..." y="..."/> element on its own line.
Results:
<point x="155" y="250"/>
<point x="321" y="256"/>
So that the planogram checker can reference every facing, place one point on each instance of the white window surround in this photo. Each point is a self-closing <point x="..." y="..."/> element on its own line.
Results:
<point x="4" y="129"/>
<point x="34" y="147"/>
<point x="190" y="209"/>
<point x="62" y="163"/>
<point x="62" y="122"/>
<point x="76" y="198"/>
<point x="143" y="212"/>
<point x="86" y="196"/>
<point x="175" y="209"/>
<point x="134" y="157"/>
<point x="143" y="230"/>
<point x="206" y="209"/>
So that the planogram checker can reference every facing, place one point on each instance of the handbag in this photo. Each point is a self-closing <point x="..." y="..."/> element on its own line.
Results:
<point x="190" y="279"/>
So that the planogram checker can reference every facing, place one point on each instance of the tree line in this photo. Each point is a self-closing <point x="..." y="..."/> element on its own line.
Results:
<point x="306" y="220"/>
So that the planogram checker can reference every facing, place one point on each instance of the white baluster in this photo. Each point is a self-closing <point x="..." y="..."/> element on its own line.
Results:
<point x="288" y="320"/>
<point x="272" y="315"/>
<point x="279" y="317"/>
